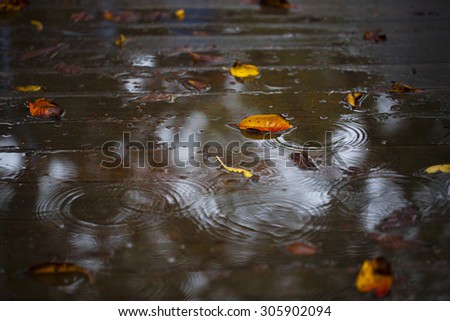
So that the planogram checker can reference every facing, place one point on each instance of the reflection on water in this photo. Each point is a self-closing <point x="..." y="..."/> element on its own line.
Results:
<point x="191" y="229"/>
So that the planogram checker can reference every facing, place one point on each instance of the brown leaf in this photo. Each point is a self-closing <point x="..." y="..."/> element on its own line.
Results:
<point x="81" y="16"/>
<point x="280" y="4"/>
<point x="60" y="268"/>
<point x="375" y="36"/>
<point x="303" y="161"/>
<point x="299" y="248"/>
<point x="122" y="16"/>
<point x="398" y="87"/>
<point x="196" y="57"/>
<point x="393" y="241"/>
<point x="67" y="68"/>
<point x="197" y="85"/>
<point x="156" y="97"/>
<point x="46" y="53"/>
<point x="404" y="217"/>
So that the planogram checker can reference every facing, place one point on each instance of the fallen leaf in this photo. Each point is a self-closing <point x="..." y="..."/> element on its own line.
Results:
<point x="393" y="241"/>
<point x="45" y="108"/>
<point x="403" y="217"/>
<point x="180" y="14"/>
<point x="156" y="97"/>
<point x="264" y="123"/>
<point x="119" y="42"/>
<point x="245" y="172"/>
<point x="67" y="68"/>
<point x="29" y="88"/>
<point x="123" y="16"/>
<point x="81" y="16"/>
<point x="299" y="248"/>
<point x="444" y="168"/>
<point x="240" y="70"/>
<point x="37" y="25"/>
<point x="280" y="4"/>
<point x="12" y="5"/>
<point x="354" y="99"/>
<point x="197" y="85"/>
<point x="374" y="36"/>
<point x="46" y="53"/>
<point x="204" y="58"/>
<point x="60" y="268"/>
<point x="303" y="161"/>
<point x="375" y="276"/>
<point x="398" y="87"/>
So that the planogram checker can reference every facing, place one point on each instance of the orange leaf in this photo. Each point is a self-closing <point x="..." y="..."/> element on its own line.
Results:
<point x="375" y="276"/>
<point x="299" y="248"/>
<point x="45" y="108"/>
<point x="264" y="123"/>
<point x="60" y="268"/>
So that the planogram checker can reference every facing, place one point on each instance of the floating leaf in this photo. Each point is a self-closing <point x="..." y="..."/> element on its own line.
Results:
<point x="354" y="99"/>
<point x="37" y="24"/>
<point x="180" y="14"/>
<point x="240" y="70"/>
<point x="204" y="58"/>
<point x="299" y="248"/>
<point x="393" y="241"/>
<point x="60" y="268"/>
<point x="303" y="160"/>
<point x="375" y="276"/>
<point x="375" y="36"/>
<point x="264" y="123"/>
<point x="444" y="168"/>
<point x="29" y="88"/>
<point x="197" y="85"/>
<point x="123" y="16"/>
<point x="12" y="5"/>
<point x="245" y="172"/>
<point x="157" y="97"/>
<point x="403" y="217"/>
<point x="46" y="53"/>
<point x="280" y="4"/>
<point x="81" y="16"/>
<point x="45" y="108"/>
<point x="119" y="42"/>
<point x="68" y="68"/>
<point x="398" y="87"/>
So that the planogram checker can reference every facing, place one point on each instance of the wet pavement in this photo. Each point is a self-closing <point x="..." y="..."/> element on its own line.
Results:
<point x="126" y="185"/>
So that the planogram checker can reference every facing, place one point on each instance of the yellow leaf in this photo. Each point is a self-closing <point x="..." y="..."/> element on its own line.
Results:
<point x="107" y="15"/>
<point x="119" y="42"/>
<point x="265" y="123"/>
<point x="375" y="275"/>
<point x="28" y="88"/>
<point x="240" y="70"/>
<point x="60" y="268"/>
<point x="354" y="99"/>
<point x="37" y="24"/>
<point x="245" y="172"/>
<point x="398" y="87"/>
<point x="444" y="168"/>
<point x="180" y="14"/>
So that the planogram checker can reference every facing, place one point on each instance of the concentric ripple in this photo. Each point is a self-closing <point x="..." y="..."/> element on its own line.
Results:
<point x="367" y="199"/>
<point x="120" y="208"/>
<point x="11" y="165"/>
<point x="252" y="214"/>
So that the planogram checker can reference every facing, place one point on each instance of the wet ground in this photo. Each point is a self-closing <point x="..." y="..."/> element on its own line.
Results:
<point x="126" y="185"/>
